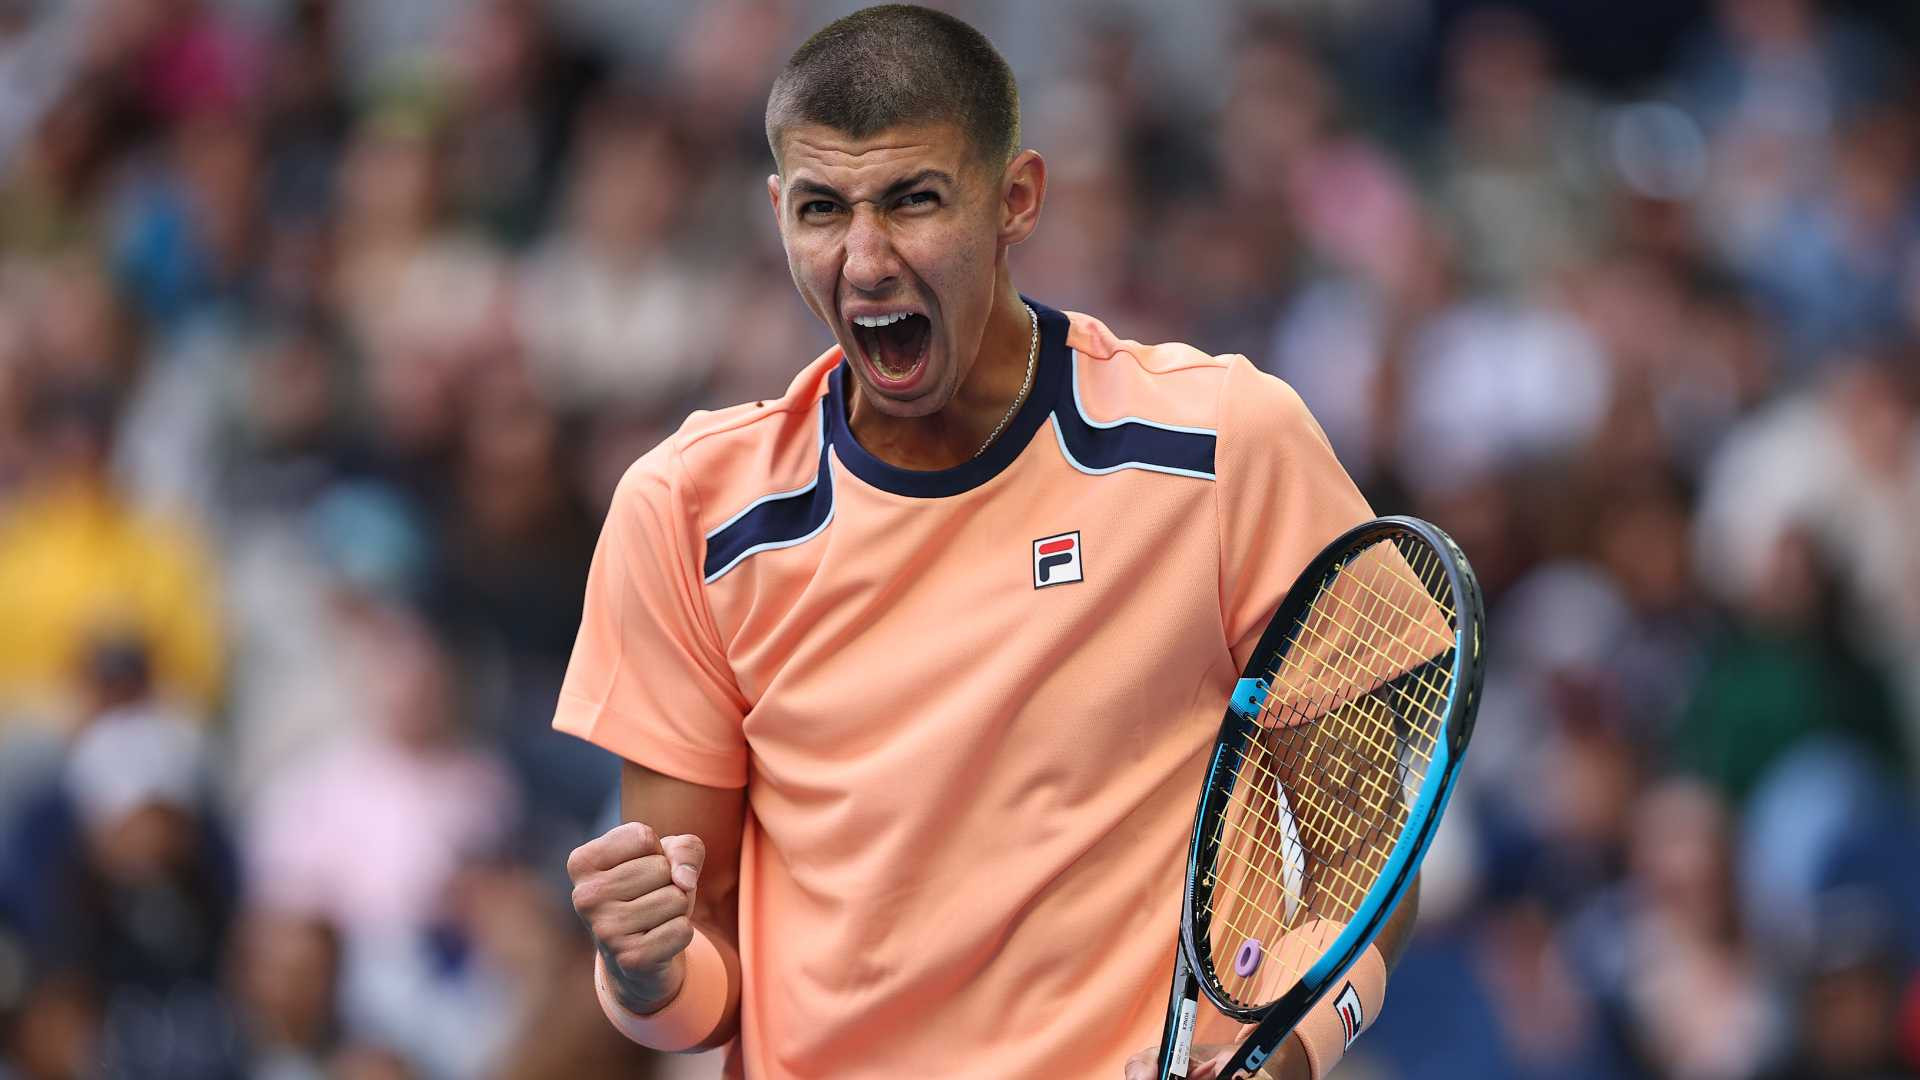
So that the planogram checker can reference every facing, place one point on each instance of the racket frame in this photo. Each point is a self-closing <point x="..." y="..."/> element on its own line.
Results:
<point x="1193" y="966"/>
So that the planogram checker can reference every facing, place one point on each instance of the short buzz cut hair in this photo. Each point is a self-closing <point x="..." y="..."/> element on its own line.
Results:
<point x="896" y="64"/>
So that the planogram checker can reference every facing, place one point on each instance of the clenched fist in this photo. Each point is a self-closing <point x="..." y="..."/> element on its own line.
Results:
<point x="634" y="890"/>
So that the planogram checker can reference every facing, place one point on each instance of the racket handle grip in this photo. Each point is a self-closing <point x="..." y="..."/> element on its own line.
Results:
<point x="1176" y="1039"/>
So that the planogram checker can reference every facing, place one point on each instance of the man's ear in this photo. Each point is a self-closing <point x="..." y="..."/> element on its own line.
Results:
<point x="773" y="196"/>
<point x="1023" y="188"/>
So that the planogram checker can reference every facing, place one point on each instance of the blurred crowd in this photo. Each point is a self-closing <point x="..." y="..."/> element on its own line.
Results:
<point x="327" y="326"/>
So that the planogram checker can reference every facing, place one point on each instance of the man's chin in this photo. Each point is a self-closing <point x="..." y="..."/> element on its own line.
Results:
<point x="902" y="407"/>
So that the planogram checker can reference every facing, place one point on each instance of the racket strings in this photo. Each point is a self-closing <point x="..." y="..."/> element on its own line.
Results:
<point x="1255" y="768"/>
<point x="1328" y="697"/>
<point x="1435" y="639"/>
<point x="1336" y="885"/>
<point x="1436" y="642"/>
<point x="1325" y="778"/>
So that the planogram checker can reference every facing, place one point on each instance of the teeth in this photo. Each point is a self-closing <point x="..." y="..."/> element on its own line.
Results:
<point x="880" y="320"/>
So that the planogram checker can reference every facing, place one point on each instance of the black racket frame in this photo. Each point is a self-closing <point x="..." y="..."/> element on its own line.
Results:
<point x="1193" y="965"/>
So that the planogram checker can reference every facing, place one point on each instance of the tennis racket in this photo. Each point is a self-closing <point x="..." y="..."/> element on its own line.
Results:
<point x="1334" y="762"/>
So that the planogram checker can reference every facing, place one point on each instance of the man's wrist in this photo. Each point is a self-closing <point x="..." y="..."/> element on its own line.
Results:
<point x="646" y="995"/>
<point x="1293" y="1062"/>
<point x="693" y="1014"/>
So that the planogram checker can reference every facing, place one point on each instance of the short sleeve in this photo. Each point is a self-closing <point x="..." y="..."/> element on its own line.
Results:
<point x="649" y="679"/>
<point x="1283" y="496"/>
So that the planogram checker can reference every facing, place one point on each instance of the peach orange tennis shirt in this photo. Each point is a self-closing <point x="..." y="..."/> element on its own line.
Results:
<point x="969" y="707"/>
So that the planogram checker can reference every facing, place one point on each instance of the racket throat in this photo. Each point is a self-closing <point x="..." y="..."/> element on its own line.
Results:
<point x="1248" y="695"/>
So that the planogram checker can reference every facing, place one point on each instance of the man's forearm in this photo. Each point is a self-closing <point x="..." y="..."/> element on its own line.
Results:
<point x="1398" y="932"/>
<point x="725" y="943"/>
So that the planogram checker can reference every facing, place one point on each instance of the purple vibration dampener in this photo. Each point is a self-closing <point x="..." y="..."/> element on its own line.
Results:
<point x="1247" y="960"/>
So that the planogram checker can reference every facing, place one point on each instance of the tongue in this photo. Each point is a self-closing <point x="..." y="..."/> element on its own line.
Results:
<point x="900" y="345"/>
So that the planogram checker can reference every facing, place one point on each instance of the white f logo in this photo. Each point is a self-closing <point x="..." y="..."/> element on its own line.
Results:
<point x="1056" y="560"/>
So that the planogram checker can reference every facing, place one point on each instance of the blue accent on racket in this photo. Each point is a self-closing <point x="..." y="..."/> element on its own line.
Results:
<point x="1247" y="696"/>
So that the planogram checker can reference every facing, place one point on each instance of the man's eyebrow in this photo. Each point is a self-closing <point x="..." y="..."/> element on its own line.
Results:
<point x="814" y="187"/>
<point x="898" y="187"/>
<point x="919" y="179"/>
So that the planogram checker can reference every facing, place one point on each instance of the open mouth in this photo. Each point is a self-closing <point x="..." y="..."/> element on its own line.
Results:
<point x="894" y="346"/>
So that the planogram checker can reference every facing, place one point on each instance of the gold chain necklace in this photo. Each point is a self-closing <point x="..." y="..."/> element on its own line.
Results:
<point x="1033" y="354"/>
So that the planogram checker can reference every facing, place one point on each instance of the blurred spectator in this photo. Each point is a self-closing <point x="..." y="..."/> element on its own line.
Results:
<point x="442" y="318"/>
<point x="312" y="581"/>
<point x="367" y="832"/>
<point x="388" y="193"/>
<point x="178" y="58"/>
<point x="1517" y="174"/>
<point x="53" y="1032"/>
<point x="1827" y="821"/>
<point x="1771" y="84"/>
<point x="1833" y="265"/>
<point x="517" y="83"/>
<point x="51" y="178"/>
<point x="494" y="987"/>
<point x="1494" y="384"/>
<point x="1282" y="137"/>
<point x="36" y="57"/>
<point x="1783" y="64"/>
<point x="1344" y="341"/>
<point x="722" y="57"/>
<point x="509" y="592"/>
<point x="1847" y="997"/>
<point x="615" y="313"/>
<point x="125" y="883"/>
<point x="1840" y="464"/>
<point x="1666" y="955"/>
<point x="1781" y="673"/>
<point x="187" y="228"/>
<point x="78" y="564"/>
<point x="285" y="982"/>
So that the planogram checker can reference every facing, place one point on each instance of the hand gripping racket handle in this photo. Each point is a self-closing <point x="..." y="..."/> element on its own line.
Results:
<point x="1176" y="1039"/>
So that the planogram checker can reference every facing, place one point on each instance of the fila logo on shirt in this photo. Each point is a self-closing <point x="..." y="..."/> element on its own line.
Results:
<point x="1352" y="1015"/>
<point x="1056" y="560"/>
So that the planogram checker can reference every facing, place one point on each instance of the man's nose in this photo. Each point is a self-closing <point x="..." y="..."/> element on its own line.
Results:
<point x="872" y="263"/>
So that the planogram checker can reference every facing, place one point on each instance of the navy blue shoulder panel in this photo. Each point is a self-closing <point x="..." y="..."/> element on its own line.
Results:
<point x="1099" y="447"/>
<point x="780" y="520"/>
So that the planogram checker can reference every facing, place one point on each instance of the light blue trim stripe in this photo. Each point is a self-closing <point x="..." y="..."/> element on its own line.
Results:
<point x="775" y="545"/>
<point x="1073" y="369"/>
<point x="747" y="509"/>
<point x="1060" y="437"/>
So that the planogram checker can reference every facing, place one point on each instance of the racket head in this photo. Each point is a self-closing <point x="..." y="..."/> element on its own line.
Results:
<point x="1331" y="769"/>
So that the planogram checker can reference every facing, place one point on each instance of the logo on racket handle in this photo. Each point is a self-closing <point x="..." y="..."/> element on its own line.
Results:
<point x="1056" y="560"/>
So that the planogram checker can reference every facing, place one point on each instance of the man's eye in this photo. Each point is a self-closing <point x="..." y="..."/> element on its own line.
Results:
<point x="817" y="206"/>
<point x="920" y="198"/>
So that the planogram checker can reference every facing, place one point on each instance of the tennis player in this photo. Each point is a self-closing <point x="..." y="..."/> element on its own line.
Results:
<point x="914" y="668"/>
